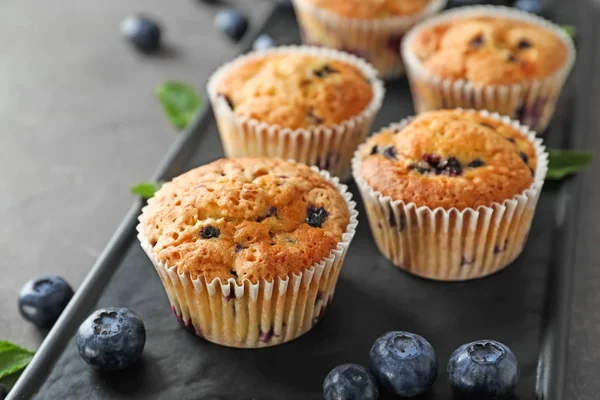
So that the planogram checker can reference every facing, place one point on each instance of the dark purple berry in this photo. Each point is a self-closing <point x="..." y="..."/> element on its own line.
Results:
<point x="209" y="232"/>
<point x="476" y="163"/>
<point x="524" y="44"/>
<point x="452" y="167"/>
<point x="232" y="22"/>
<point x="142" y="32"/>
<point x="325" y="70"/>
<point x="532" y="6"/>
<point x="350" y="381"/>
<point x="524" y="157"/>
<point x="316" y="216"/>
<point x="374" y="150"/>
<point x="271" y="212"/>
<point x="42" y="300"/>
<point x="477" y="42"/>
<point x="432" y="159"/>
<point x="421" y="170"/>
<point x="263" y="42"/>
<point x="390" y="152"/>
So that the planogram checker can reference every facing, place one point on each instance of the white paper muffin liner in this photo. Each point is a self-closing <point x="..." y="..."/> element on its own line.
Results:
<point x="261" y="314"/>
<point x="531" y="102"/>
<point x="328" y="147"/>
<point x="453" y="245"/>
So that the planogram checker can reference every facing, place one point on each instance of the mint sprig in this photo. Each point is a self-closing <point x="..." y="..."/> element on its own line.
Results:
<point x="180" y="102"/>
<point x="13" y="358"/>
<point x="146" y="190"/>
<point x="566" y="162"/>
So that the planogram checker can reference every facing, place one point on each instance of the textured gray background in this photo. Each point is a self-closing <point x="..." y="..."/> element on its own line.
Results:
<point x="80" y="124"/>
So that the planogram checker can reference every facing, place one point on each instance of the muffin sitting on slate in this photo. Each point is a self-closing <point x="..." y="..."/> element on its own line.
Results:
<point x="451" y="194"/>
<point x="491" y="58"/>
<point x="307" y="104"/>
<point x="249" y="250"/>
<point x="372" y="29"/>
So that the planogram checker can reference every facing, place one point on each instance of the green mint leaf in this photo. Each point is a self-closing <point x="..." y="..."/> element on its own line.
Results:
<point x="565" y="162"/>
<point x="180" y="102"/>
<point x="146" y="189"/>
<point x="570" y="30"/>
<point x="13" y="358"/>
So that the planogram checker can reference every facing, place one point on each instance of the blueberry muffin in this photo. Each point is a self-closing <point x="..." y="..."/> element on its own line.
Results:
<point x="450" y="195"/>
<point x="233" y="240"/>
<point x="492" y="58"/>
<point x="372" y="29"/>
<point x="311" y="105"/>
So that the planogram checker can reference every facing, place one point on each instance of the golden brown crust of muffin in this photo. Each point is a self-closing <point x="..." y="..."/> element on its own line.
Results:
<point x="450" y="158"/>
<point x="372" y="9"/>
<point x="487" y="50"/>
<point x="245" y="218"/>
<point x="296" y="90"/>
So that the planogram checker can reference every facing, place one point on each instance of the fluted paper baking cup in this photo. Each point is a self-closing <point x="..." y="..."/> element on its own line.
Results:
<point x="329" y="147"/>
<point x="376" y="40"/>
<point x="532" y="102"/>
<point x="261" y="314"/>
<point x="453" y="244"/>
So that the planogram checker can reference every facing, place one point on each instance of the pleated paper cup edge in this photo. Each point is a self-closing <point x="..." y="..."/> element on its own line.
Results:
<point x="224" y="288"/>
<point x="528" y="196"/>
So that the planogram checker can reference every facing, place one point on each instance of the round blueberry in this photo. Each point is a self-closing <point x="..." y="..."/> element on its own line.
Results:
<point x="143" y="32"/>
<point x="531" y="6"/>
<point x="43" y="299"/>
<point x="484" y="368"/>
<point x="404" y="363"/>
<point x="232" y="22"/>
<point x="350" y="381"/>
<point x="3" y="392"/>
<point x="111" y="338"/>
<point x="263" y="42"/>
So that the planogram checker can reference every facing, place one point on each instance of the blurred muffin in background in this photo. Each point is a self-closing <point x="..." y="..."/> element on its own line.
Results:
<point x="492" y="58"/>
<point x="372" y="29"/>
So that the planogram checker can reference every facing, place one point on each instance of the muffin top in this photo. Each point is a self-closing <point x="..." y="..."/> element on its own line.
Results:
<point x="450" y="158"/>
<point x="246" y="218"/>
<point x="371" y="9"/>
<point x="487" y="50"/>
<point x="295" y="90"/>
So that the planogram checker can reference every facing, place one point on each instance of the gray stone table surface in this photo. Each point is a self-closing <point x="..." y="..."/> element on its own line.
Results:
<point x="80" y="124"/>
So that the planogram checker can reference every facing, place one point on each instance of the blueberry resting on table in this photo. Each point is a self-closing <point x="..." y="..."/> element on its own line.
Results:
<point x="43" y="299"/>
<point x="404" y="363"/>
<point x="231" y="22"/>
<point x="143" y="32"/>
<point x="350" y="381"/>
<point x="483" y="369"/>
<point x="531" y="6"/>
<point x="111" y="338"/>
<point x="263" y="42"/>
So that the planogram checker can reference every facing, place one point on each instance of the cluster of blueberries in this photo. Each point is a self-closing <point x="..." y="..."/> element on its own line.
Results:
<point x="144" y="33"/>
<point x="109" y="339"/>
<point x="405" y="364"/>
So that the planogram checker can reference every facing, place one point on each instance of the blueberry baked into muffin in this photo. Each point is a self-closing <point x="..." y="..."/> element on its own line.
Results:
<point x="249" y="250"/>
<point x="450" y="195"/>
<point x="311" y="105"/>
<point x="493" y="58"/>
<point x="371" y="29"/>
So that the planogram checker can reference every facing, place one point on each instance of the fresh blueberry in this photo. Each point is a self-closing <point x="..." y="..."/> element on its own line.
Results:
<point x="316" y="216"/>
<point x="43" y="299"/>
<point x="111" y="338"/>
<point x="404" y="363"/>
<point x="263" y="42"/>
<point x="232" y="22"/>
<point x="3" y="392"/>
<point x="483" y="369"/>
<point x="531" y="6"/>
<point x="350" y="381"/>
<point x="143" y="32"/>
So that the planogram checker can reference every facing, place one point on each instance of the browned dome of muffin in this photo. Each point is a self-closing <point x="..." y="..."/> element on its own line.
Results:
<point x="489" y="50"/>
<point x="246" y="218"/>
<point x="296" y="90"/>
<point x="371" y="9"/>
<point x="450" y="158"/>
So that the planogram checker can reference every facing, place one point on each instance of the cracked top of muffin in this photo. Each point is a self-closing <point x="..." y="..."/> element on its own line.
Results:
<point x="295" y="90"/>
<point x="450" y="158"/>
<point x="371" y="9"/>
<point x="245" y="218"/>
<point x="488" y="50"/>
